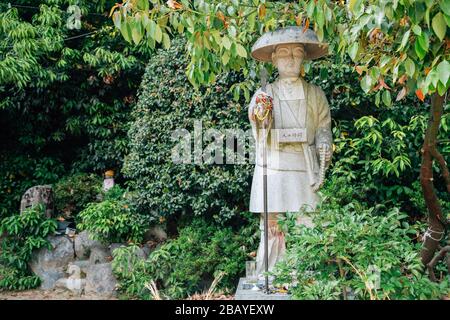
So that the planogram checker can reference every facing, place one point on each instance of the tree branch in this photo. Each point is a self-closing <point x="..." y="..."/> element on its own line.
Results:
<point x="443" y="165"/>
<point x="430" y="266"/>
<point x="436" y="220"/>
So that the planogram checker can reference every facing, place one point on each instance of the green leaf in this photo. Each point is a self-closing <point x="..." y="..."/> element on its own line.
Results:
<point x="417" y="30"/>
<point x="145" y="21"/>
<point x="166" y="41"/>
<point x="117" y="19"/>
<point x="151" y="28"/>
<point x="319" y="33"/>
<point x="404" y="40"/>
<point x="443" y="70"/>
<point x="377" y="99"/>
<point x="241" y="50"/>
<point x="353" y="50"/>
<point x="447" y="20"/>
<point x="143" y="4"/>
<point x="424" y="41"/>
<point x="320" y="18"/>
<point x="310" y="8"/>
<point x="251" y="21"/>
<point x="439" y="25"/>
<point x="353" y="5"/>
<point x="125" y="29"/>
<point x="441" y="88"/>
<point x="216" y="36"/>
<point x="445" y="6"/>
<point x="136" y="35"/>
<point x="419" y="51"/>
<point x="384" y="61"/>
<point x="231" y="11"/>
<point x="226" y="42"/>
<point x="410" y="67"/>
<point x="366" y="83"/>
<point x="432" y="78"/>
<point x="386" y="97"/>
<point x="151" y="42"/>
<point x="158" y="33"/>
<point x="225" y="58"/>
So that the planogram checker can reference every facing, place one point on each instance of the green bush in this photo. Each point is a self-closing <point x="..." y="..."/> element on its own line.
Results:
<point x="23" y="234"/>
<point x="167" y="102"/>
<point x="348" y="241"/>
<point x="73" y="193"/>
<point x="112" y="221"/>
<point x="188" y="264"/>
<point x="380" y="158"/>
<point x="378" y="147"/>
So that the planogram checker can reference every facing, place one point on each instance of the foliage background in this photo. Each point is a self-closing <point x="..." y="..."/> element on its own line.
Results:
<point x="72" y="104"/>
<point x="65" y="94"/>
<point x="168" y="102"/>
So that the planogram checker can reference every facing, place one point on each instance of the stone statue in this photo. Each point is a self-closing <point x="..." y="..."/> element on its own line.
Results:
<point x="300" y="131"/>
<point x="38" y="195"/>
<point x="74" y="282"/>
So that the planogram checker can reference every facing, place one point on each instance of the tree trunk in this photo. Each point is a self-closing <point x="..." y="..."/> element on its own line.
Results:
<point x="437" y="223"/>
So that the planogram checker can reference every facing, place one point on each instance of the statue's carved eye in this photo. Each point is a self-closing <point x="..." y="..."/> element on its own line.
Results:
<point x="298" y="52"/>
<point x="285" y="52"/>
<point x="282" y="52"/>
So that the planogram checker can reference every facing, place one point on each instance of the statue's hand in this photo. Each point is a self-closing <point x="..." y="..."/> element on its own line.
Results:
<point x="262" y="94"/>
<point x="325" y="147"/>
<point x="251" y="111"/>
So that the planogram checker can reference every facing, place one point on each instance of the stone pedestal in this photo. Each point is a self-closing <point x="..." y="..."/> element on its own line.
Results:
<point x="248" y="294"/>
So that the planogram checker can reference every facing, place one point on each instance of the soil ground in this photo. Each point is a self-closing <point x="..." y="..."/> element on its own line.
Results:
<point x="48" y="295"/>
<point x="67" y="295"/>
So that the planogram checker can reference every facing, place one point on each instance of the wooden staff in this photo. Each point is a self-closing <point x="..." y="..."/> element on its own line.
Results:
<point x="265" y="122"/>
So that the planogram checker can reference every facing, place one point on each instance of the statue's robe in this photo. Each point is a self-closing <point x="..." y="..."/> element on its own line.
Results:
<point x="292" y="168"/>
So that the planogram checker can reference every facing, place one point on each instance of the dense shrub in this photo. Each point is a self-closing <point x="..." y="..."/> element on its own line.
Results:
<point x="378" y="147"/>
<point x="115" y="193"/>
<point x="167" y="102"/>
<point x="380" y="158"/>
<point x="366" y="252"/>
<point x="73" y="193"/>
<point x="112" y="221"/>
<point x="189" y="263"/>
<point x="23" y="234"/>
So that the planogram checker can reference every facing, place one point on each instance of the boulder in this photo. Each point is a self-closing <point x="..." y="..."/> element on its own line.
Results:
<point x="100" y="280"/>
<point x="155" y="233"/>
<point x="99" y="255"/>
<point x="83" y="265"/>
<point x="84" y="244"/>
<point x="146" y="250"/>
<point x="50" y="265"/>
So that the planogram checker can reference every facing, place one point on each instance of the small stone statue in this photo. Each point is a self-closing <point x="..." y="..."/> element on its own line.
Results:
<point x="38" y="195"/>
<point x="74" y="282"/>
<point x="108" y="181"/>
<point x="299" y="143"/>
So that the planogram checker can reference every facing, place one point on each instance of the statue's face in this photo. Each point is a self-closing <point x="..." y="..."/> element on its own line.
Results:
<point x="288" y="59"/>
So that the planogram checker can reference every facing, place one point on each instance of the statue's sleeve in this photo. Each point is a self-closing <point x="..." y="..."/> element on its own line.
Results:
<point x="323" y="131"/>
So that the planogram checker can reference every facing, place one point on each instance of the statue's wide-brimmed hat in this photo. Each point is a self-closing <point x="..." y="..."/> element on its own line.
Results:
<point x="265" y="45"/>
